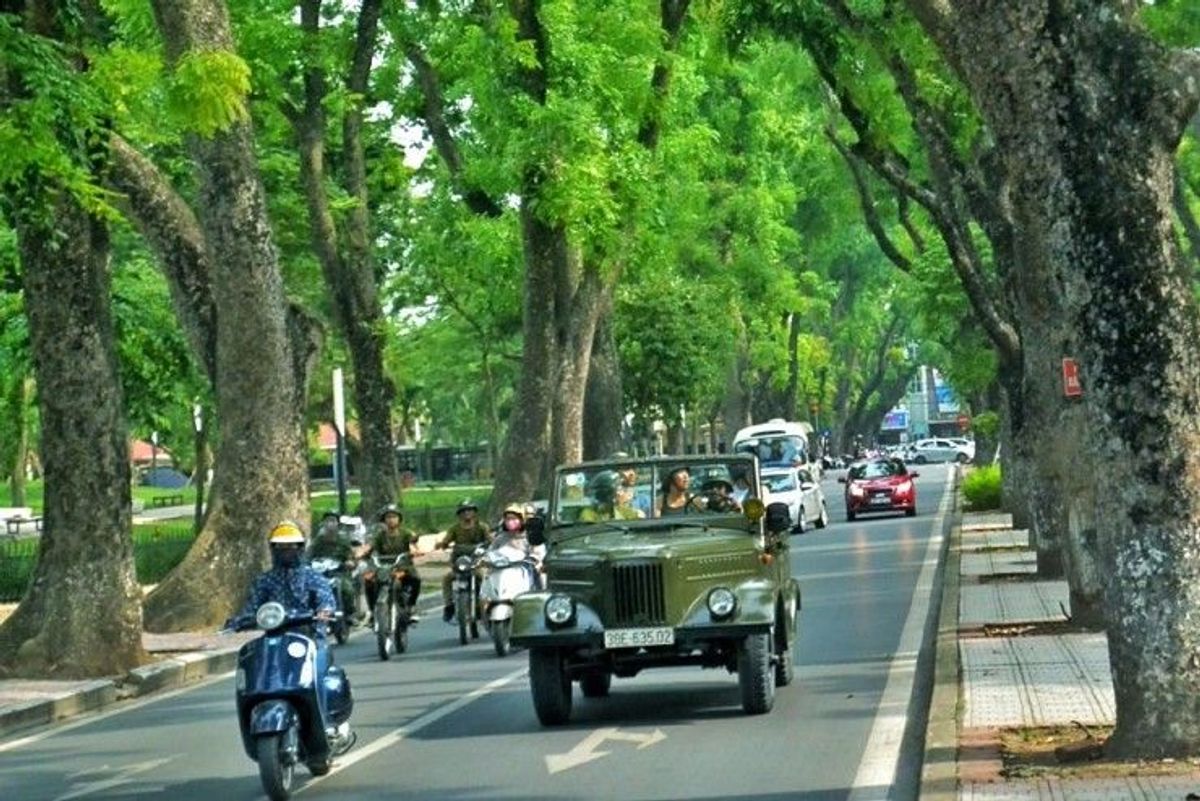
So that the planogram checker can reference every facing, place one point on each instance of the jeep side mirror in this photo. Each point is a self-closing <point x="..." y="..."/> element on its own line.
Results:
<point x="841" y="479"/>
<point x="779" y="517"/>
<point x="535" y="530"/>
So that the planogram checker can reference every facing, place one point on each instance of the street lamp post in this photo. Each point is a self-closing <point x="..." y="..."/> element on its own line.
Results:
<point x="200" y="473"/>
<point x="339" y="428"/>
<point x="153" y="457"/>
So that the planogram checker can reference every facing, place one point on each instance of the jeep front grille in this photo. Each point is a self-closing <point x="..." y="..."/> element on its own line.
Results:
<point x="638" y="595"/>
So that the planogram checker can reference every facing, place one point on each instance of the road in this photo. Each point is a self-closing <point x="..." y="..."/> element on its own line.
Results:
<point x="451" y="722"/>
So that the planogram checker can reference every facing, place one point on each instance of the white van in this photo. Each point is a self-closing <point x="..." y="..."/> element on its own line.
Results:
<point x="778" y="443"/>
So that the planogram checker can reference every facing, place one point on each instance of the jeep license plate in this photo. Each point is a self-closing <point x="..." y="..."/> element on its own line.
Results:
<point x="638" y="638"/>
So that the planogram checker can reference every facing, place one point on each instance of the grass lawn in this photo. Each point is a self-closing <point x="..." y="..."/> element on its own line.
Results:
<point x="421" y="497"/>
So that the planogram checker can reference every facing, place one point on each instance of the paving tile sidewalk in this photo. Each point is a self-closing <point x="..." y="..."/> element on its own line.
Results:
<point x="1019" y="681"/>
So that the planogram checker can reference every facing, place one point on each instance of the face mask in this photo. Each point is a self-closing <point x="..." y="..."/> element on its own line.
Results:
<point x="285" y="557"/>
<point x="512" y="524"/>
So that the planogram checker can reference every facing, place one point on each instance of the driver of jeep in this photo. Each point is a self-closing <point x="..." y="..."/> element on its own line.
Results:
<point x="603" y="489"/>
<point x="719" y="496"/>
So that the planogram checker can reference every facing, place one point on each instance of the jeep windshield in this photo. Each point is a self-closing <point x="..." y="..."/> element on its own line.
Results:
<point x="622" y="493"/>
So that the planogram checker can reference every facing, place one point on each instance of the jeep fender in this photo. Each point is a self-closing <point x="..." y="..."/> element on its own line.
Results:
<point x="755" y="605"/>
<point x="529" y="617"/>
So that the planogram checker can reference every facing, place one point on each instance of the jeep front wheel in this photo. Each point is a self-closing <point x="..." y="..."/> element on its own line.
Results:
<point x="756" y="675"/>
<point x="551" y="686"/>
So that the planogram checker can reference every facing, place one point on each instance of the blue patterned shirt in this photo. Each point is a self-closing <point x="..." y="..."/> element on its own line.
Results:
<point x="297" y="588"/>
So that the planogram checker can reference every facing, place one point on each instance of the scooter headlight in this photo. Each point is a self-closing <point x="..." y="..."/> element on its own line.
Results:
<point x="498" y="561"/>
<point x="270" y="615"/>
<point x="559" y="610"/>
<point x="721" y="602"/>
<point x="297" y="650"/>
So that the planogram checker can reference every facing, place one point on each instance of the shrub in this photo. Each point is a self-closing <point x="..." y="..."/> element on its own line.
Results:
<point x="981" y="488"/>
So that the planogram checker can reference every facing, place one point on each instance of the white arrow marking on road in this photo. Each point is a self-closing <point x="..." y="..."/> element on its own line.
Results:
<point x="585" y="752"/>
<point x="125" y="776"/>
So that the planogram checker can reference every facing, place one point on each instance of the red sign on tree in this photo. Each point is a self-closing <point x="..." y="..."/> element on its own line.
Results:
<point x="1070" y="372"/>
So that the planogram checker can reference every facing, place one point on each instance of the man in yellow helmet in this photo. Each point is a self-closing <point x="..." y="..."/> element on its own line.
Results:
<point x="289" y="581"/>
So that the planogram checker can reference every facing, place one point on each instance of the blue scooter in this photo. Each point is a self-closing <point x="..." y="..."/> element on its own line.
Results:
<point x="284" y="717"/>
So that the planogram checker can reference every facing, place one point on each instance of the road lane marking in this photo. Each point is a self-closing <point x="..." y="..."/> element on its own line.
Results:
<point x="408" y="729"/>
<point x="586" y="750"/>
<point x="877" y="771"/>
<point x="123" y="776"/>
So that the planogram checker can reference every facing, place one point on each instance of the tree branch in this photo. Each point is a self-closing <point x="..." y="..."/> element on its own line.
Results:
<point x="867" y="203"/>
<point x="434" y="117"/>
<point x="173" y="234"/>
<point x="672" y="14"/>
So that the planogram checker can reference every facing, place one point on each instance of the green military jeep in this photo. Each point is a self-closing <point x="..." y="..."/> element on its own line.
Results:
<point x="660" y="562"/>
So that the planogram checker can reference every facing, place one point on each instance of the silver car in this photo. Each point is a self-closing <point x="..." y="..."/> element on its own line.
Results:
<point x="928" y="451"/>
<point x="801" y="492"/>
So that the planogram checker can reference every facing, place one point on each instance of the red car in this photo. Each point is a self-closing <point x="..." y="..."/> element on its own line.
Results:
<point x="882" y="485"/>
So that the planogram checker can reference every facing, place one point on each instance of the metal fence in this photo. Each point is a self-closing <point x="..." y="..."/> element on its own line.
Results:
<point x="157" y="548"/>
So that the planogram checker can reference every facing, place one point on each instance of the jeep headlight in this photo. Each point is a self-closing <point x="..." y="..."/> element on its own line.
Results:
<point x="559" y="610"/>
<point x="270" y="616"/>
<point x="721" y="602"/>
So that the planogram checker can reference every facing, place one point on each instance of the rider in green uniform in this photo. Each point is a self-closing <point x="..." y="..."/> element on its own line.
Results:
<point x="330" y="544"/>
<point x="465" y="535"/>
<point x="387" y="542"/>
<point x="605" y="503"/>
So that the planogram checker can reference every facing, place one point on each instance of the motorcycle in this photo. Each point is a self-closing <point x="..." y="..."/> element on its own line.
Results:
<point x="466" y="595"/>
<point x="509" y="571"/>
<point x="283" y="716"/>
<point x="393" y="608"/>
<point x="333" y="571"/>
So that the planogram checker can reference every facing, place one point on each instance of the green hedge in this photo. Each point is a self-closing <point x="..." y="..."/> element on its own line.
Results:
<point x="157" y="548"/>
<point x="982" y="488"/>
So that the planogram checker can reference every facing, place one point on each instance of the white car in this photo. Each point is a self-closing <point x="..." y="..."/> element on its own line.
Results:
<point x="928" y="451"/>
<point x="800" y="491"/>
<point x="967" y="446"/>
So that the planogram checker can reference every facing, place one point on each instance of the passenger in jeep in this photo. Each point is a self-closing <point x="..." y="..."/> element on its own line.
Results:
<point x="605" y="506"/>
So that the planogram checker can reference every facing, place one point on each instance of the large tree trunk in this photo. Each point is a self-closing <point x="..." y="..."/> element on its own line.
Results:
<point x="604" y="407"/>
<point x="577" y="317"/>
<point x="1120" y="103"/>
<point x="348" y="268"/>
<point x="81" y="615"/>
<point x="260" y="476"/>
<point x="528" y="441"/>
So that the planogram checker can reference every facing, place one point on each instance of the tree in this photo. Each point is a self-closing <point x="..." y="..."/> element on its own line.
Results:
<point x="345" y="249"/>
<point x="1122" y="102"/>
<point x="260" y="475"/>
<point x="81" y="614"/>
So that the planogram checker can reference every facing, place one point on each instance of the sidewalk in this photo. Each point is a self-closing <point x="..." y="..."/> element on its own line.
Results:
<point x="179" y="660"/>
<point x="1008" y="663"/>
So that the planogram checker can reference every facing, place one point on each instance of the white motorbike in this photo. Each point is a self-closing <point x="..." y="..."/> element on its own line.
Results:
<point x="510" y="570"/>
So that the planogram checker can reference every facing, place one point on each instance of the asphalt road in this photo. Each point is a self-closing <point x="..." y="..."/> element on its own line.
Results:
<point x="457" y="723"/>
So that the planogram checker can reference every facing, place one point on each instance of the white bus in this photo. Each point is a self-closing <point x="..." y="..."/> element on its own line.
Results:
<point x="778" y="443"/>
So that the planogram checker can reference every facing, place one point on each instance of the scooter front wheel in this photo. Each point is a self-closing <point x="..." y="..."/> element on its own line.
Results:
<point x="501" y="629"/>
<point x="276" y="765"/>
<point x="385" y="643"/>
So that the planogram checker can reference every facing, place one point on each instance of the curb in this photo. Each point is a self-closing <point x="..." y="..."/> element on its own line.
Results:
<point x="44" y="711"/>
<point x="939" y="771"/>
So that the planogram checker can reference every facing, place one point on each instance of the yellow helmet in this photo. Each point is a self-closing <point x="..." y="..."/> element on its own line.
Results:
<point x="286" y="533"/>
<point x="515" y="509"/>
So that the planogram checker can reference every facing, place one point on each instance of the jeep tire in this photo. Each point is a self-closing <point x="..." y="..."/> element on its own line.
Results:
<point x="756" y="674"/>
<point x="595" y="684"/>
<point x="785" y="661"/>
<point x="550" y="685"/>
